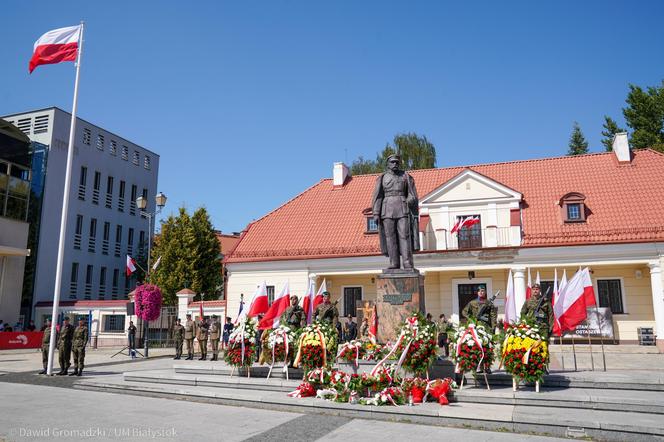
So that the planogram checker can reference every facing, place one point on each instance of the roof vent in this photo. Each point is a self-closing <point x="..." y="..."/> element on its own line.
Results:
<point x="621" y="147"/>
<point x="339" y="174"/>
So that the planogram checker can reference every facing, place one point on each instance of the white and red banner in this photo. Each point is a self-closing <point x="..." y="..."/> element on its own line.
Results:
<point x="259" y="303"/>
<point x="465" y="223"/>
<point x="373" y="324"/>
<point x="273" y="313"/>
<point x="529" y="287"/>
<point x="570" y="307"/>
<point x="56" y="46"/>
<point x="131" y="265"/>
<point x="511" y="315"/>
<point x="308" y="301"/>
<point x="310" y="305"/>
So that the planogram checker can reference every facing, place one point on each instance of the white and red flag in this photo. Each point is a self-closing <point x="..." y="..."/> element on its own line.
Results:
<point x="310" y="303"/>
<point x="511" y="315"/>
<point x="56" y="46"/>
<point x="529" y="287"/>
<point x="470" y="222"/>
<point x="259" y="303"/>
<point x="457" y="225"/>
<point x="554" y="299"/>
<point x="279" y="305"/>
<point x="573" y="299"/>
<point x="373" y="324"/>
<point x="131" y="265"/>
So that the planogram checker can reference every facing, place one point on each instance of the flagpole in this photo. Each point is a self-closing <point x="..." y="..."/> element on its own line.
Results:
<point x="65" y="207"/>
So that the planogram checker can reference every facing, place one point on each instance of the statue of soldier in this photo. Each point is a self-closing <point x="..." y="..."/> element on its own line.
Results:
<point x="64" y="346"/>
<point x="79" y="341"/>
<point x="294" y="316"/>
<point x="215" y="334"/>
<point x="395" y="211"/>
<point x="189" y="330"/>
<point x="178" y="337"/>
<point x="46" y="341"/>
<point x="327" y="311"/>
<point x="539" y="309"/>
<point x="202" y="337"/>
<point x="482" y="310"/>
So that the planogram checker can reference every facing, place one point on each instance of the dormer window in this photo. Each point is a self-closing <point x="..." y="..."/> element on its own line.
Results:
<point x="573" y="208"/>
<point x="372" y="226"/>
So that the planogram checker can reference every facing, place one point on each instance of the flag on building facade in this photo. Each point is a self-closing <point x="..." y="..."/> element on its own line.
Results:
<point x="131" y="265"/>
<point x="56" y="46"/>
<point x="529" y="287"/>
<point x="273" y="313"/>
<point x="573" y="299"/>
<point x="511" y="315"/>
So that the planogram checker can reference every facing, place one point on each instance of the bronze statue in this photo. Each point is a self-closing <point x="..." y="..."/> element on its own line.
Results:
<point x="395" y="210"/>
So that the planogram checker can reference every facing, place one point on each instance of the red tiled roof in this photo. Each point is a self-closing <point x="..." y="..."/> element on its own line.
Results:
<point x="227" y="242"/>
<point x="624" y="201"/>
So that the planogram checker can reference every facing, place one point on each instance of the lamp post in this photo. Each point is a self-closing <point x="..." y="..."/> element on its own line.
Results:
<point x="142" y="204"/>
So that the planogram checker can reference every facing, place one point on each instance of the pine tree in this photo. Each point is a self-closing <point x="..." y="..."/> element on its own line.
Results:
<point x="577" y="142"/>
<point x="644" y="114"/>
<point x="610" y="129"/>
<point x="417" y="152"/>
<point x="206" y="274"/>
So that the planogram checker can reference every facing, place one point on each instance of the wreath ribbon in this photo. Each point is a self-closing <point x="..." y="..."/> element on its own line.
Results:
<point x="473" y="334"/>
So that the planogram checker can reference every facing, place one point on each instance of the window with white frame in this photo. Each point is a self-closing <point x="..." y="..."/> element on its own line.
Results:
<point x="609" y="292"/>
<point x="113" y="323"/>
<point x="352" y="299"/>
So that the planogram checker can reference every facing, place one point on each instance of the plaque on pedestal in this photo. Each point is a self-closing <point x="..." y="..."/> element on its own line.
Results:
<point x="398" y="295"/>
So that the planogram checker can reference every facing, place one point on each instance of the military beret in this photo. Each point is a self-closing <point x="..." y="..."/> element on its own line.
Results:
<point x="326" y="293"/>
<point x="66" y="318"/>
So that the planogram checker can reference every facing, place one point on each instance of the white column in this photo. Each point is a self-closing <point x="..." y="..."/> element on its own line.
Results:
<point x="657" y="300"/>
<point x="185" y="297"/>
<point x="519" y="288"/>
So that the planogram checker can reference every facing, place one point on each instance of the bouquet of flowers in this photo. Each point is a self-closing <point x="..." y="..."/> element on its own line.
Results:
<point x="317" y="346"/>
<point x="305" y="389"/>
<point x="473" y="348"/>
<point x="280" y="343"/>
<point x="525" y="352"/>
<point x="371" y="351"/>
<point x="351" y="352"/>
<point x="387" y="396"/>
<point x="439" y="389"/>
<point x="318" y="377"/>
<point x="416" y="387"/>
<point x="240" y="352"/>
<point x="417" y="344"/>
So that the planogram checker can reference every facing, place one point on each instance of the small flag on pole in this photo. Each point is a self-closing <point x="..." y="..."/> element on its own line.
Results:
<point x="56" y="46"/>
<point x="156" y="264"/>
<point x="131" y="265"/>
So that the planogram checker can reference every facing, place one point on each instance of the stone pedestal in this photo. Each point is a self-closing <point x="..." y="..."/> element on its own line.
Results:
<point x="398" y="295"/>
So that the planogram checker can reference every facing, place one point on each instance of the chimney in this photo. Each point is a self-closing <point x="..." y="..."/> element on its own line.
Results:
<point x="621" y="147"/>
<point x="339" y="174"/>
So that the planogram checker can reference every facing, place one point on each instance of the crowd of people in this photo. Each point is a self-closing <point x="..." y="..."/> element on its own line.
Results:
<point x="6" y="327"/>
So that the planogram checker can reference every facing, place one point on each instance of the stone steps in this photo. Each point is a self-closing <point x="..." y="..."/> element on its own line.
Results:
<point x="633" y="380"/>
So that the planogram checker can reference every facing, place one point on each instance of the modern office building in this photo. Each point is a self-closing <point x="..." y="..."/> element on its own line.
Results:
<point x="103" y="223"/>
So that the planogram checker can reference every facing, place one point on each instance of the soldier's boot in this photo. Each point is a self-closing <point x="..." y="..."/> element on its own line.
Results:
<point x="42" y="372"/>
<point x="74" y="373"/>
<point x="62" y="372"/>
<point x="80" y="371"/>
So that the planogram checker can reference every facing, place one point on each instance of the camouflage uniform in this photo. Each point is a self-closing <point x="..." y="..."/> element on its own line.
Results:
<point x="215" y="334"/>
<point x="46" y="341"/>
<point x="64" y="347"/>
<point x="328" y="313"/>
<point x="178" y="337"/>
<point x="202" y="337"/>
<point x="489" y="318"/>
<point x="189" y="330"/>
<point x="294" y="317"/>
<point x="541" y="313"/>
<point x="79" y="341"/>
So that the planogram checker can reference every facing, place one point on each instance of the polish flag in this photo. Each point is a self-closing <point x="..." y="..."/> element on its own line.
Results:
<point x="457" y="225"/>
<point x="373" y="324"/>
<point x="570" y="308"/>
<point x="511" y="315"/>
<point x="308" y="301"/>
<point x="131" y="265"/>
<point x="56" y="46"/>
<point x="259" y="303"/>
<point x="529" y="287"/>
<point x="310" y="305"/>
<point x="470" y="222"/>
<point x="556" y="324"/>
<point x="279" y="305"/>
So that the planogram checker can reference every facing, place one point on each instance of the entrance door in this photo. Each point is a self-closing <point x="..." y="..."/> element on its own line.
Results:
<point x="466" y="293"/>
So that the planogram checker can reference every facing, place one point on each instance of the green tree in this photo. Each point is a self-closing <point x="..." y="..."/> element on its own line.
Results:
<point x="189" y="256"/>
<point x="644" y="114"/>
<point x="610" y="129"/>
<point x="417" y="152"/>
<point x="577" y="142"/>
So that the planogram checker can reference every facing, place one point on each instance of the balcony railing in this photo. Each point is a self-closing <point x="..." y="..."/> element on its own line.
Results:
<point x="473" y="238"/>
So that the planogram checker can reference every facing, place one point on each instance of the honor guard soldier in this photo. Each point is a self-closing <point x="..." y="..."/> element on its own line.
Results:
<point x="189" y="330"/>
<point x="538" y="309"/>
<point x="178" y="337"/>
<point x="64" y="346"/>
<point x="46" y="341"/>
<point x="202" y="337"/>
<point x="79" y="341"/>
<point x="327" y="311"/>
<point x="482" y="310"/>
<point x="215" y="334"/>
<point x="294" y="316"/>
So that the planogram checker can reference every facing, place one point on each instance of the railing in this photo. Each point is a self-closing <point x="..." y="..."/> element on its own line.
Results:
<point x="474" y="238"/>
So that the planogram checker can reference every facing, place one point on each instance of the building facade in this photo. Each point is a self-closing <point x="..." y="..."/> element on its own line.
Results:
<point x="103" y="223"/>
<point x="548" y="216"/>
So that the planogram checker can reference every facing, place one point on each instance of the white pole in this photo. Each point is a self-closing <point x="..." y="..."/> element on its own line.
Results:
<point x="65" y="206"/>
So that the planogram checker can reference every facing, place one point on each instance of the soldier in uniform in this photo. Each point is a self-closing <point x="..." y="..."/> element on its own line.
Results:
<point x="294" y="316"/>
<point x="64" y="346"/>
<point x="482" y="311"/>
<point x="178" y="337"/>
<point x="46" y="341"/>
<point x="189" y="330"/>
<point x="327" y="311"/>
<point x="79" y="341"/>
<point x="539" y="309"/>
<point x="215" y="334"/>
<point x="202" y="337"/>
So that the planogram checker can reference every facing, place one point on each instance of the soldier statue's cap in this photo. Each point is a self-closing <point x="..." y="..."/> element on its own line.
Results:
<point x="395" y="156"/>
<point x="326" y="293"/>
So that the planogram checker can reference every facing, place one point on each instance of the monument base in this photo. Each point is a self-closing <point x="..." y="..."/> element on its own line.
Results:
<point x="398" y="295"/>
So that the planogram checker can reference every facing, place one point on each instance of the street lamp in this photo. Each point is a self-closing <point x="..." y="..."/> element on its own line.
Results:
<point x="142" y="204"/>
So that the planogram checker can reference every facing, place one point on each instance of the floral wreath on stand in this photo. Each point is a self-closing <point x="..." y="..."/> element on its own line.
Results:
<point x="473" y="350"/>
<point x="241" y="343"/>
<point x="316" y="346"/>
<point x="351" y="352"/>
<point x="280" y="342"/>
<point x="525" y="353"/>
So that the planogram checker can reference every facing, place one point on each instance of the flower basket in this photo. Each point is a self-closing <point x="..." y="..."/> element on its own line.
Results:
<point x="525" y="352"/>
<point x="351" y="352"/>
<point x="316" y="347"/>
<point x="473" y="349"/>
<point x="280" y="343"/>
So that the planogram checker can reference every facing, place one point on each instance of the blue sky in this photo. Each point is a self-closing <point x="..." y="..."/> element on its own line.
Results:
<point x="249" y="103"/>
